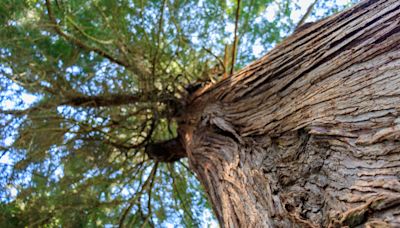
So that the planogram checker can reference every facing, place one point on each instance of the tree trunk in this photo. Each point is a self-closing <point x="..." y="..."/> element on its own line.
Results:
<point x="309" y="135"/>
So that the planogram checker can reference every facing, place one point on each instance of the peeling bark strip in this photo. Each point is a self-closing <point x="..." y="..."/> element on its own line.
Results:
<point x="309" y="135"/>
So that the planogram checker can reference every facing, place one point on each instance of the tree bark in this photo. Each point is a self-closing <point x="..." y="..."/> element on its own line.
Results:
<point x="309" y="135"/>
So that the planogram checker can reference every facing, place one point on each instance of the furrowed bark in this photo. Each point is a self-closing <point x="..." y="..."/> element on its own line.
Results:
<point x="309" y="135"/>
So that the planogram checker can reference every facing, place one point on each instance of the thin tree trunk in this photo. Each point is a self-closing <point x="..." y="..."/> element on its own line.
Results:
<point x="309" y="135"/>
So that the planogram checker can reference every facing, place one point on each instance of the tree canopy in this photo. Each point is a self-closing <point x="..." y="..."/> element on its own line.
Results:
<point x="89" y="87"/>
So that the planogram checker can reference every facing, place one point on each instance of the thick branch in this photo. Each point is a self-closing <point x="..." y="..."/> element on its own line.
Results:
<point x="83" y="101"/>
<point x="103" y="100"/>
<point x="167" y="151"/>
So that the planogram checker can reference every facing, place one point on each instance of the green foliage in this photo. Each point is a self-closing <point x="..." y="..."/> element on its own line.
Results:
<point x="72" y="164"/>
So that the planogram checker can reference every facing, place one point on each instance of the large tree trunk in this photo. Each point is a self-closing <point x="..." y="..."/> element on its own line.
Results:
<point x="309" y="135"/>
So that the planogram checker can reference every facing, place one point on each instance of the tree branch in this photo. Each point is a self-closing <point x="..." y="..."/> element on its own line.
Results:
<point x="78" y="42"/>
<point x="306" y="15"/>
<point x="235" y="40"/>
<point x="102" y="100"/>
<point x="83" y="101"/>
<point x="160" y="27"/>
<point x="149" y="211"/>
<point x="216" y="57"/>
<point x="178" y="194"/>
<point x="138" y="194"/>
<point x="167" y="151"/>
<point x="82" y="31"/>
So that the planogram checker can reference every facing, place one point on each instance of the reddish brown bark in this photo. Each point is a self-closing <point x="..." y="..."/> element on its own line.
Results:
<point x="309" y="135"/>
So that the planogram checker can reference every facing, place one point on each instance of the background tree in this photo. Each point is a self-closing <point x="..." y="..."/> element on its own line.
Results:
<point x="90" y="92"/>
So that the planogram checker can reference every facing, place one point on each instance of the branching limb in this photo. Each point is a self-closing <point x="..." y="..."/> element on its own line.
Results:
<point x="78" y="42"/>
<point x="178" y="194"/>
<point x="77" y="27"/>
<point x="138" y="194"/>
<point x="137" y="68"/>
